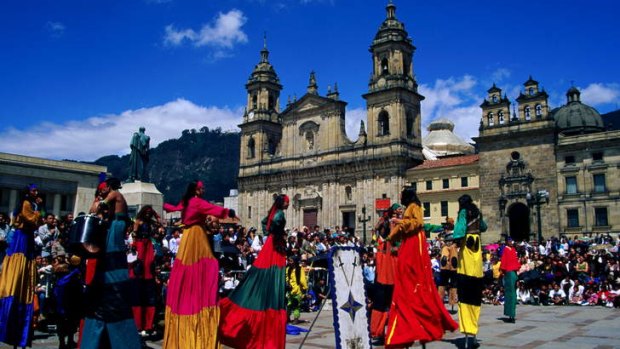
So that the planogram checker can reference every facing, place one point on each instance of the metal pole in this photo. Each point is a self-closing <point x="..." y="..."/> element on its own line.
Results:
<point x="363" y="219"/>
<point x="539" y="221"/>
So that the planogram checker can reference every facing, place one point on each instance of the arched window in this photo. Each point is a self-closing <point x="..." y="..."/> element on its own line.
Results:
<point x="538" y="111"/>
<point x="272" y="146"/>
<point x="348" y="193"/>
<point x="271" y="102"/>
<point x="494" y="98"/>
<point x="410" y="123"/>
<point x="251" y="148"/>
<point x="384" y="123"/>
<point x="310" y="140"/>
<point x="254" y="102"/>
<point x="528" y="112"/>
<point x="500" y="116"/>
<point x="531" y="91"/>
<point x="490" y="119"/>
<point x="384" y="66"/>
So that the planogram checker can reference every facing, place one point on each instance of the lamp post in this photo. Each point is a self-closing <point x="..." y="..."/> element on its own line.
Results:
<point x="542" y="196"/>
<point x="363" y="219"/>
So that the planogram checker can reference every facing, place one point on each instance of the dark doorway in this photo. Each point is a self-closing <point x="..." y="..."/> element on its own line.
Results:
<point x="310" y="218"/>
<point x="519" y="219"/>
<point x="348" y="220"/>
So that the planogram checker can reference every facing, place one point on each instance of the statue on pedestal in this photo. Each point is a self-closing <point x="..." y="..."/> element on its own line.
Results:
<point x="139" y="157"/>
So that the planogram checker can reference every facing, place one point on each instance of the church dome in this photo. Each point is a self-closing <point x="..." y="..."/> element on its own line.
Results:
<point x="576" y="117"/>
<point x="443" y="141"/>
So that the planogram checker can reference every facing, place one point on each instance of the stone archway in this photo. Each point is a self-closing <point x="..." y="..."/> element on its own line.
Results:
<point x="519" y="221"/>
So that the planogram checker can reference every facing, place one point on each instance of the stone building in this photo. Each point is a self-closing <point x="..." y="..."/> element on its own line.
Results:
<point x="546" y="172"/>
<point x="303" y="150"/>
<point x="66" y="186"/>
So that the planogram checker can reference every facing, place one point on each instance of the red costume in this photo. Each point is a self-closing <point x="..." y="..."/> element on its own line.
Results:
<point x="417" y="313"/>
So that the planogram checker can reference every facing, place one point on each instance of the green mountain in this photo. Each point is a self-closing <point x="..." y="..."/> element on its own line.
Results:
<point x="211" y="156"/>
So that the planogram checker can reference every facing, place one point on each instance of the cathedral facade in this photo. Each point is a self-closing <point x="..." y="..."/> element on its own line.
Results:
<point x="304" y="152"/>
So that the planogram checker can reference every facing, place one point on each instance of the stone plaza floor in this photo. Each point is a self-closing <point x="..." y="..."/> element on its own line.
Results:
<point x="544" y="327"/>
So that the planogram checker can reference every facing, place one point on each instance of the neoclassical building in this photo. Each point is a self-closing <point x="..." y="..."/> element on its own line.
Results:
<point x="303" y="150"/>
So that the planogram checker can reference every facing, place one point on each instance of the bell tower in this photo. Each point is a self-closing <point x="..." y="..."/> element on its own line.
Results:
<point x="261" y="129"/>
<point x="393" y="101"/>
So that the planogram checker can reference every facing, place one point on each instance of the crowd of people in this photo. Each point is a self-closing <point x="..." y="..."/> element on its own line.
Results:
<point x="160" y="258"/>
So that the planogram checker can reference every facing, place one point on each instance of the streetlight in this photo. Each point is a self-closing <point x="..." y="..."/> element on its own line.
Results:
<point x="363" y="219"/>
<point x="542" y="196"/>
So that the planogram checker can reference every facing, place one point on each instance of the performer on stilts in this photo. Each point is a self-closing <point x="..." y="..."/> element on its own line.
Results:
<point x="254" y="315"/>
<point x="509" y="266"/>
<point x="383" y="287"/>
<point x="448" y="265"/>
<point x="109" y="321"/>
<point x="470" y="284"/>
<point x="192" y="312"/>
<point x="18" y="277"/>
<point x="417" y="313"/>
<point x="144" y="288"/>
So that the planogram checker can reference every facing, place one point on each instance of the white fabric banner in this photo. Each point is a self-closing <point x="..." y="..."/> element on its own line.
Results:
<point x="348" y="298"/>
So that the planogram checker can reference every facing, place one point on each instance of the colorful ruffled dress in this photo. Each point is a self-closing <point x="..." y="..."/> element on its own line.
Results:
<point x="417" y="313"/>
<point x="192" y="312"/>
<point x="18" y="280"/>
<point x="254" y="315"/>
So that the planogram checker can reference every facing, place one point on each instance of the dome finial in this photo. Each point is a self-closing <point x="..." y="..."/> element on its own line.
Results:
<point x="391" y="10"/>
<point x="264" y="53"/>
<point x="312" y="86"/>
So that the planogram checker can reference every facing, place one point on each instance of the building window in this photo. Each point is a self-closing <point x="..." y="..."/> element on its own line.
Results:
<point x="66" y="203"/>
<point x="572" y="217"/>
<point x="599" y="183"/>
<point x="445" y="183"/>
<point x="500" y="115"/>
<point x="410" y="123"/>
<point x="427" y="209"/>
<point x="249" y="212"/>
<point x="600" y="216"/>
<point x="251" y="148"/>
<point x="569" y="160"/>
<point x="272" y="146"/>
<point x="464" y="182"/>
<point x="348" y="193"/>
<point x="531" y="91"/>
<point x="384" y="123"/>
<point x="271" y="102"/>
<point x="414" y="185"/>
<point x="490" y="118"/>
<point x="598" y="156"/>
<point x="444" y="208"/>
<point x="538" y="111"/>
<point x="571" y="185"/>
<point x="254" y="102"/>
<point x="429" y="185"/>
<point x="494" y="98"/>
<point x="310" y="140"/>
<point x="528" y="113"/>
<point x="384" y="66"/>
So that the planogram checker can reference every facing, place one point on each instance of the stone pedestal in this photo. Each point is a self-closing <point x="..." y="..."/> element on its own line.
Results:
<point x="139" y="194"/>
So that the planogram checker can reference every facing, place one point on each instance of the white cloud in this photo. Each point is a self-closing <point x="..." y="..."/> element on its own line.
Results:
<point x="110" y="134"/>
<point x="500" y="74"/>
<point x="56" y="29"/>
<point x="224" y="32"/>
<point x="599" y="93"/>
<point x="352" y="122"/>
<point x="456" y="100"/>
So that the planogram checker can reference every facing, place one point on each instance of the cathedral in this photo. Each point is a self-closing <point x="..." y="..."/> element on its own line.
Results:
<point x="536" y="171"/>
<point x="304" y="152"/>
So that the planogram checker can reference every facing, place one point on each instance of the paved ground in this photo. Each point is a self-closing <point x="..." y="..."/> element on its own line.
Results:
<point x="564" y="327"/>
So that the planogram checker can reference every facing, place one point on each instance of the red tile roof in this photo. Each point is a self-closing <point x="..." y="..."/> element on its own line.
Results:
<point x="450" y="161"/>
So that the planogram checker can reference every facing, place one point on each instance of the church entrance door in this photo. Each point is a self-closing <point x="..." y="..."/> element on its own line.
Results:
<point x="519" y="220"/>
<point x="310" y="218"/>
<point x="348" y="220"/>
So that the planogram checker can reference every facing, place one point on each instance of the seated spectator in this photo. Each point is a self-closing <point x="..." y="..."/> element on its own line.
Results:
<point x="575" y="294"/>
<point x="523" y="294"/>
<point x="557" y="295"/>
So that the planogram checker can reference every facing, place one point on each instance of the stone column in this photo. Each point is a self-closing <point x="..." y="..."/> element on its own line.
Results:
<point x="56" y="204"/>
<point x="13" y="199"/>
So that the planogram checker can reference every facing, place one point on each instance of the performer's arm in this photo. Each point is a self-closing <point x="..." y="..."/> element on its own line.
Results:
<point x="29" y="214"/>
<point x="412" y="220"/>
<point x="210" y="209"/>
<point x="173" y="208"/>
<point x="460" y="227"/>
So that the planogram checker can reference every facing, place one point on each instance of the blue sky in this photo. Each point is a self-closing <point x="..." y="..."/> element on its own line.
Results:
<point x="79" y="77"/>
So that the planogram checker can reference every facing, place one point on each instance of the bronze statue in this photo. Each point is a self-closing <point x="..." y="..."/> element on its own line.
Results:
<point x="139" y="157"/>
